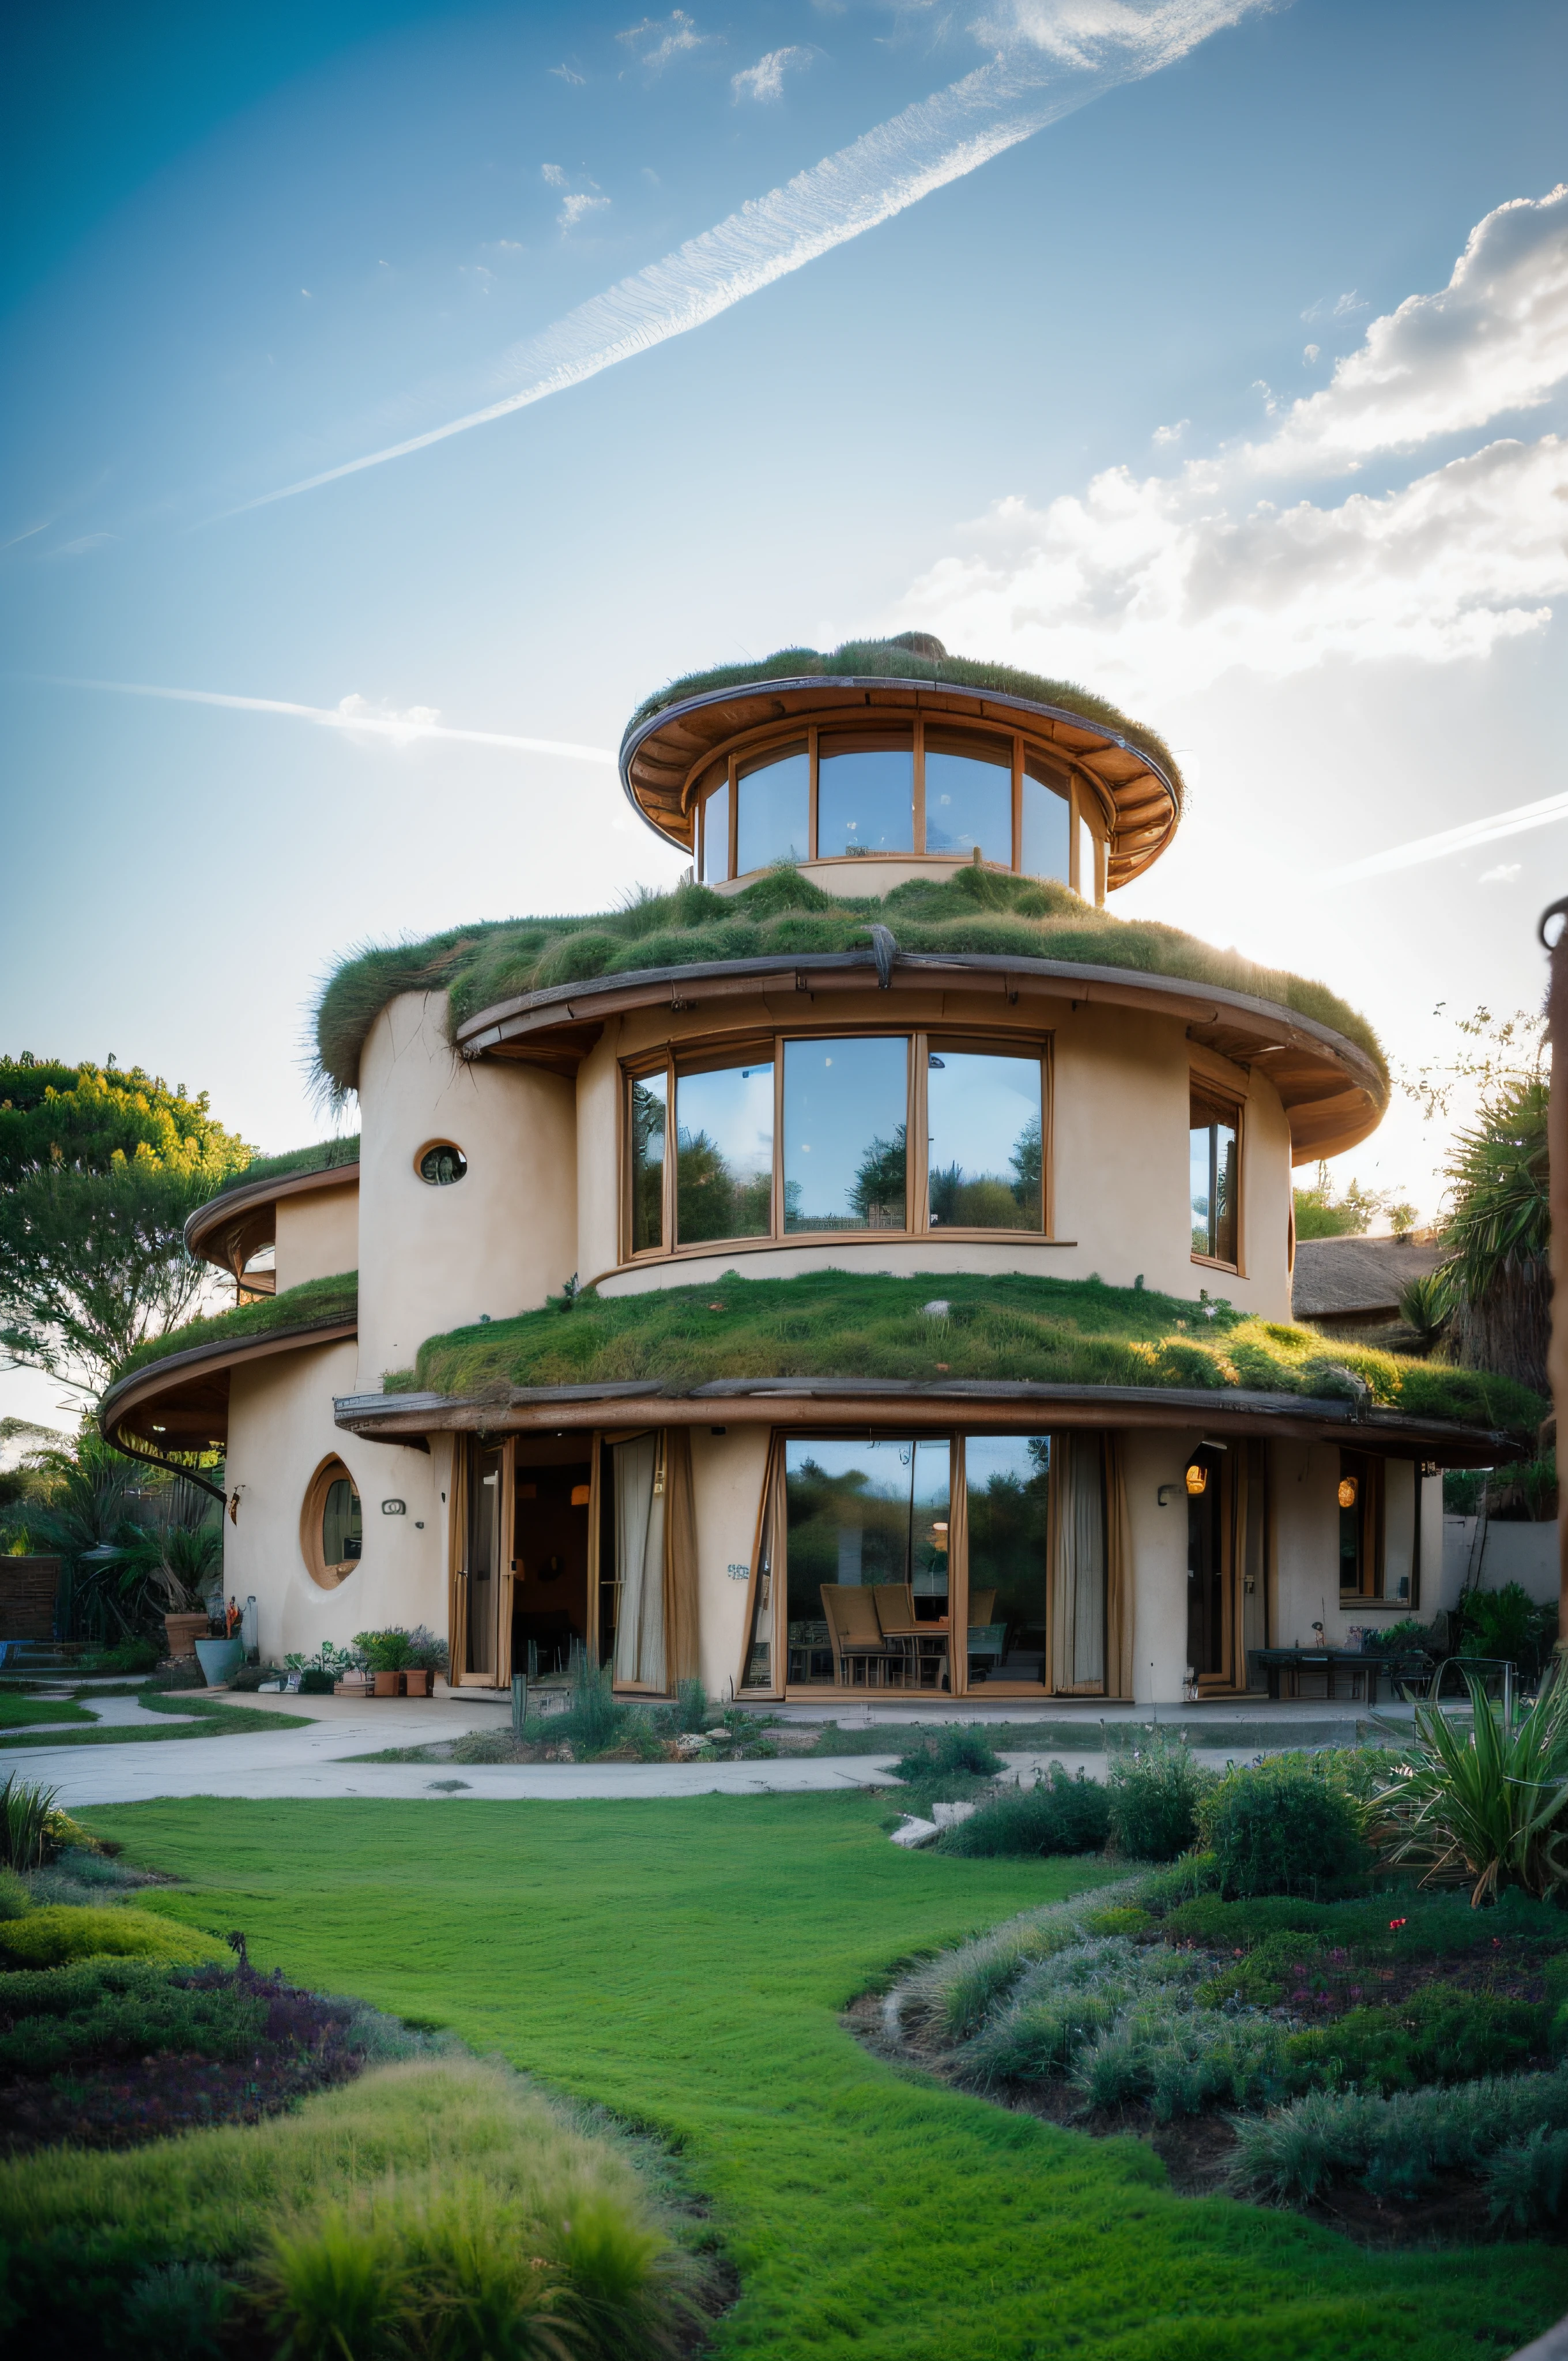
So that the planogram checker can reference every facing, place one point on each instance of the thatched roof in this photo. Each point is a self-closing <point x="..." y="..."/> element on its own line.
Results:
<point x="1361" y="1277"/>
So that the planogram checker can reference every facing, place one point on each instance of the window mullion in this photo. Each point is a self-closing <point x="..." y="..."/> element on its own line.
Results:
<point x="917" y="1158"/>
<point x="670" y="1153"/>
<point x="778" y="1208"/>
<point x="919" y="815"/>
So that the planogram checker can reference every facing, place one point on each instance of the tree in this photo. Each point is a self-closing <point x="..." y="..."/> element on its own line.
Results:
<point x="878" y="1194"/>
<point x="1497" y="1235"/>
<point x="1320" y="1213"/>
<point x="99" y="1171"/>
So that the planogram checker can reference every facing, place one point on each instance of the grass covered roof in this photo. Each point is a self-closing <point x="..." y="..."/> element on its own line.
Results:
<point x="784" y="915"/>
<point x="312" y="1303"/>
<point x="832" y="1323"/>
<point x="916" y="656"/>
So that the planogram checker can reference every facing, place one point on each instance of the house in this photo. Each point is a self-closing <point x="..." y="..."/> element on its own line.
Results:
<point x="1343" y="1285"/>
<point x="862" y="1271"/>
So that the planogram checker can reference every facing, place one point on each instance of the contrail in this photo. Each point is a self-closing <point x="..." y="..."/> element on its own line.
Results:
<point x="419" y="722"/>
<point x="1523" y="817"/>
<point x="1079" y="50"/>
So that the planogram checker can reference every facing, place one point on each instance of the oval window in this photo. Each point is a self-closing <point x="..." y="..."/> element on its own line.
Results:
<point x="331" y="1527"/>
<point x="442" y="1163"/>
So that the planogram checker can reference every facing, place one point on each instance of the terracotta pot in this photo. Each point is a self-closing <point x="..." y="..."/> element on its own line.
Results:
<point x="421" y="1682"/>
<point x="387" y="1683"/>
<point x="182" y="1632"/>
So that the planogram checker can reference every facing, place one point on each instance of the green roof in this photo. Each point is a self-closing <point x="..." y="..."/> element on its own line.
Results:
<point x="312" y="1303"/>
<point x="321" y="1156"/>
<point x="783" y="915"/>
<point x="832" y="1323"/>
<point x="916" y="656"/>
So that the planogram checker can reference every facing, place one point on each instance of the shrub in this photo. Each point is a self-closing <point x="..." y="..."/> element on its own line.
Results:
<point x="1528" y="2180"/>
<point x="1485" y="1803"/>
<point x="179" y="2312"/>
<point x="691" y="1706"/>
<point x="14" y="1896"/>
<point x="25" y="1810"/>
<point x="57" y="1934"/>
<point x="1062" y="2002"/>
<point x="1440" y="2034"/>
<point x="1167" y="1889"/>
<point x="1396" y="2146"/>
<point x="130" y="1656"/>
<point x="1155" y="1793"/>
<point x="1182" y="2063"/>
<point x="385" y="1652"/>
<point x="1056" y="1815"/>
<point x="596" y="1718"/>
<point x="1507" y="1622"/>
<point x="1280" y="1831"/>
<point x="940" y="1752"/>
<point x="126" y="2007"/>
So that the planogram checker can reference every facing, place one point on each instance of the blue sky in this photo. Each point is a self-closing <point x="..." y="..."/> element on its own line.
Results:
<point x="1132" y="401"/>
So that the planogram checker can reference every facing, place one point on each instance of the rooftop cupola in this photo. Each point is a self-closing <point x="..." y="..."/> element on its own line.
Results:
<point x="890" y="758"/>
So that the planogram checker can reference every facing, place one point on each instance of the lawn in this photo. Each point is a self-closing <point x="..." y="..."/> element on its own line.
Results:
<point x="28" y="1712"/>
<point x="685" y="1961"/>
<point x="212" y="1719"/>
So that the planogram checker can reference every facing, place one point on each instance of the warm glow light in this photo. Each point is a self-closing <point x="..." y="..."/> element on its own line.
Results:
<point x="1197" y="1480"/>
<point x="1347" y="1491"/>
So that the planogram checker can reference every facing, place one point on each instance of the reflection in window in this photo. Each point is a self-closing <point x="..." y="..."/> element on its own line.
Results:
<point x="715" y="836"/>
<point x="1214" y="1173"/>
<point x="1008" y="1480"/>
<point x="845" y="1132"/>
<point x="865" y="797"/>
<point x="343" y="1527"/>
<point x="441" y="1164"/>
<point x="867" y="1516"/>
<point x="1402" y="1549"/>
<point x="650" y="1096"/>
<point x="724" y="1153"/>
<point x="1044" y="852"/>
<point x="1086" y="841"/>
<point x="773" y="812"/>
<point x="968" y="796"/>
<point x="984" y="1140"/>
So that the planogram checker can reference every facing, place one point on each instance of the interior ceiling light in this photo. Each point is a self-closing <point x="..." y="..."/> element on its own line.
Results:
<point x="1347" y="1491"/>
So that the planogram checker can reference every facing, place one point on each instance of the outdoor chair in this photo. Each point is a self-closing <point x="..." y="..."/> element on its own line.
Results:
<point x="863" y="1656"/>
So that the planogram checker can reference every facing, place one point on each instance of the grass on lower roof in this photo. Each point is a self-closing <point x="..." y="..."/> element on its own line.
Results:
<point x="684" y="1965"/>
<point x="210" y="1717"/>
<point x="784" y="916"/>
<point x="314" y="1300"/>
<point x="839" y="1323"/>
<point x="320" y="1155"/>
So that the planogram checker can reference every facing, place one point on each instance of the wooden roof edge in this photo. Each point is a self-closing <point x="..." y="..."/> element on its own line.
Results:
<point x="152" y="1378"/>
<point x="249" y="1196"/>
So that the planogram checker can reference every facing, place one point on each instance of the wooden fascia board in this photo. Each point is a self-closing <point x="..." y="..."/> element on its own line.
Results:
<point x="143" y="1386"/>
<point x="245" y="1198"/>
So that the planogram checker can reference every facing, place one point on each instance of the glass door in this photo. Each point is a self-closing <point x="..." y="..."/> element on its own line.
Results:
<point x="485" y="1508"/>
<point x="1006" y="1487"/>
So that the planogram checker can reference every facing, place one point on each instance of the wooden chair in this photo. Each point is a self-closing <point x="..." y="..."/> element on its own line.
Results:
<point x="862" y="1656"/>
<point x="981" y="1606"/>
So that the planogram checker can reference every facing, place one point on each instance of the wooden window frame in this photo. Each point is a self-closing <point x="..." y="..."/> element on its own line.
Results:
<point x="1220" y="1095"/>
<point x="313" y="1509"/>
<point x="1082" y="800"/>
<point x="715" y="1053"/>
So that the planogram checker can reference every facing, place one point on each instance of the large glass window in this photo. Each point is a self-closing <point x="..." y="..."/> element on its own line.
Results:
<point x="1007" y="1484"/>
<point x="724" y="1152"/>
<point x="983" y="1128"/>
<point x="846" y="1133"/>
<point x="773" y="810"/>
<point x="969" y="794"/>
<point x="715" y="836"/>
<point x="865" y="797"/>
<point x="1214" y="1173"/>
<point x="867" y="1526"/>
<point x="1044" y="851"/>
<point x="649" y="1106"/>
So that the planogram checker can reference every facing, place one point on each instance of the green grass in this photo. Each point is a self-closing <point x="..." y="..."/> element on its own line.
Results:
<point x="213" y="1720"/>
<point x="836" y="1323"/>
<point x="684" y="1963"/>
<point x="24" y="1712"/>
<point x="782" y="916"/>
<point x="321" y="1156"/>
<point x="314" y="1300"/>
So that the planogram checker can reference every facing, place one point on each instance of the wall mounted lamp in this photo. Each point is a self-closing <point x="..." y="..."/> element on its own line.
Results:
<point x="1197" y="1481"/>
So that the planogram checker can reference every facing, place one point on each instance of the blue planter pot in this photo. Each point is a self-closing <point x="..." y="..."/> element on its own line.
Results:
<point x="219" y="1660"/>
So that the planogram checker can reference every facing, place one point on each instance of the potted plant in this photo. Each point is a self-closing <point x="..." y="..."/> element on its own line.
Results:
<point x="388" y="1655"/>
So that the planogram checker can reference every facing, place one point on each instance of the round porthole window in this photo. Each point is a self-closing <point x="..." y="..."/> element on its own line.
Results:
<point x="332" y="1525"/>
<point x="440" y="1163"/>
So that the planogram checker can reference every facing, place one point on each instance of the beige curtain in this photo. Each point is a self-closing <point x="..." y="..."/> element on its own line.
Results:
<point x="457" y="1560"/>
<point x="683" y="1658"/>
<point x="1079" y="1560"/>
<point x="763" y="1670"/>
<point x="1118" y="1573"/>
<point x="639" y="1506"/>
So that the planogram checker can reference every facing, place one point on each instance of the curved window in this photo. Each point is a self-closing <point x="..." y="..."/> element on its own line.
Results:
<point x="773" y="810"/>
<point x="716" y="835"/>
<point x="983" y="1138"/>
<point x="865" y="795"/>
<point x="1214" y="1162"/>
<point x="441" y="1164"/>
<point x="332" y="1525"/>
<point x="1045" y="848"/>
<point x="845" y="1129"/>
<point x="969" y="794"/>
<point x="724" y="1150"/>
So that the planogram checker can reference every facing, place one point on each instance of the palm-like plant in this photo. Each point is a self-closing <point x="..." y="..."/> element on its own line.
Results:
<point x="1426" y="1305"/>
<point x="1487" y="1803"/>
<point x="1498" y="1233"/>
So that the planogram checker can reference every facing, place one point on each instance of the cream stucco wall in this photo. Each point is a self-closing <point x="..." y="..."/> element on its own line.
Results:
<point x="1119" y="1150"/>
<point x="317" y="1234"/>
<point x="497" y="1242"/>
<point x="1304" y="1517"/>
<point x="280" y="1430"/>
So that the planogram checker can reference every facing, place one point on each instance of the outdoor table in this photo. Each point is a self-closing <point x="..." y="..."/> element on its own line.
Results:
<point x="1283" y="1669"/>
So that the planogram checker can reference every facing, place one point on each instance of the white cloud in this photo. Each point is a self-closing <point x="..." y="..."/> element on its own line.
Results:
<point x="1168" y="435"/>
<point x="578" y="208"/>
<point x="553" y="176"/>
<point x="676" y="36"/>
<point x="1504" y="873"/>
<point x="1312" y="352"/>
<point x="568" y="73"/>
<point x="357" y="716"/>
<point x="1163" y="583"/>
<point x="764" y="81"/>
<point x="1344" y="307"/>
<point x="1494" y="339"/>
